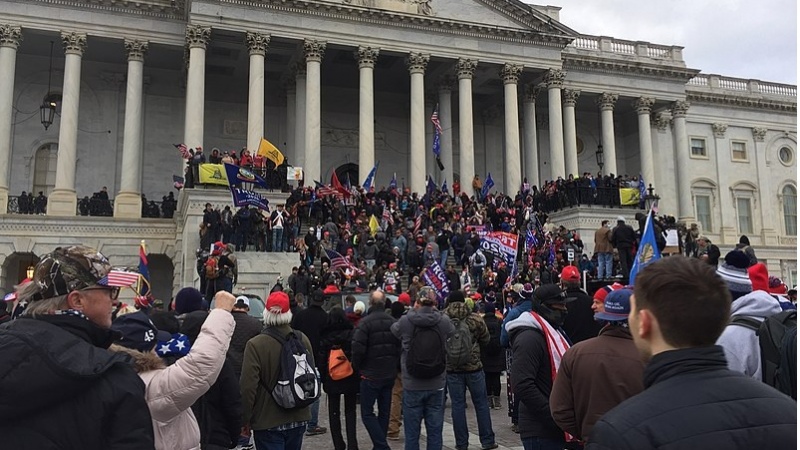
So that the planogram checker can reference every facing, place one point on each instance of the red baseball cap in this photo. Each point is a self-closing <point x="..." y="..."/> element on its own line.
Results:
<point x="404" y="298"/>
<point x="570" y="273"/>
<point x="278" y="302"/>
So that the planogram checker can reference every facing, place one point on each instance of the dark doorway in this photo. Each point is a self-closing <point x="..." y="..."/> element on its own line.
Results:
<point x="348" y="172"/>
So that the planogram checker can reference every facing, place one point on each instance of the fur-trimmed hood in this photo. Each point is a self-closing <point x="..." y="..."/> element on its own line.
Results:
<point x="142" y="362"/>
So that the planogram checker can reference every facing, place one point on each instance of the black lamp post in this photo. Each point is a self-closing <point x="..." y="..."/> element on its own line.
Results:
<point x="48" y="108"/>
<point x="650" y="198"/>
<point x="599" y="155"/>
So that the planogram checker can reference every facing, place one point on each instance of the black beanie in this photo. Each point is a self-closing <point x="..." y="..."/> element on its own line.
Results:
<point x="456" y="297"/>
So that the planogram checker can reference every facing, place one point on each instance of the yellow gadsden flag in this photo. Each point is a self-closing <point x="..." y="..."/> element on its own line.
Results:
<point x="269" y="151"/>
<point x="213" y="174"/>
<point x="373" y="225"/>
<point x="628" y="196"/>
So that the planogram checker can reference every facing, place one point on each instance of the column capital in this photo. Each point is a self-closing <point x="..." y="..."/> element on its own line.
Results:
<point x="314" y="50"/>
<point x="643" y="105"/>
<point x="446" y="83"/>
<point x="10" y="36"/>
<point x="367" y="57"/>
<point x="298" y="70"/>
<point x="531" y="92"/>
<point x="554" y="78"/>
<point x="257" y="43"/>
<point x="417" y="62"/>
<point x="719" y="129"/>
<point x="136" y="49"/>
<point x="510" y="73"/>
<point x="679" y="108"/>
<point x="759" y="133"/>
<point x="465" y="68"/>
<point x="198" y="36"/>
<point x="74" y="43"/>
<point x="660" y="121"/>
<point x="607" y="100"/>
<point x="569" y="97"/>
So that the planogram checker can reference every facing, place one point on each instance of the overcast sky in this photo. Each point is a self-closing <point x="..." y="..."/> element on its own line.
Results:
<point x="738" y="38"/>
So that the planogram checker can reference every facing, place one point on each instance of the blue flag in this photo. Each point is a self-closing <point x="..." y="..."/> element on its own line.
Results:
<point x="393" y="183"/>
<point x="487" y="185"/>
<point x="244" y="197"/>
<point x="552" y="256"/>
<point x="444" y="186"/>
<point x="642" y="189"/>
<point x="437" y="144"/>
<point x="371" y="177"/>
<point x="238" y="175"/>
<point x="648" y="249"/>
<point x="431" y="186"/>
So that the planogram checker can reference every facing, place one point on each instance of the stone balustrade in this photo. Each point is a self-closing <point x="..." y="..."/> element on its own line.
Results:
<point x="733" y="85"/>
<point x="610" y="45"/>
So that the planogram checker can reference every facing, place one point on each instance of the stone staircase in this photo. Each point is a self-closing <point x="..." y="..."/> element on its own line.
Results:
<point x="258" y="271"/>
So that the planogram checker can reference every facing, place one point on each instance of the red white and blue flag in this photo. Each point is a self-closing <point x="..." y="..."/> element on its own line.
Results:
<point x="184" y="150"/>
<point x="339" y="262"/>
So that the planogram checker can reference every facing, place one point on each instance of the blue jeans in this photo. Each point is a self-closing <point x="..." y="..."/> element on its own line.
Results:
<point x="277" y="239"/>
<point x="605" y="268"/>
<point x="291" y="439"/>
<point x="377" y="426"/>
<point x="314" y="422"/>
<point x="427" y="405"/>
<point x="443" y="257"/>
<point x="458" y="384"/>
<point x="535" y="443"/>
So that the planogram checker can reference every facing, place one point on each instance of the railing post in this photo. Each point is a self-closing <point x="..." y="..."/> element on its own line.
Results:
<point x="641" y="48"/>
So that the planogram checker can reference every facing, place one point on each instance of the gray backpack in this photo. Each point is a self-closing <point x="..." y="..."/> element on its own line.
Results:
<point x="459" y="345"/>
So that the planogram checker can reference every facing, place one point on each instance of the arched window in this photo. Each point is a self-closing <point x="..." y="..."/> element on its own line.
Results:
<point x="789" y="194"/>
<point x="44" y="169"/>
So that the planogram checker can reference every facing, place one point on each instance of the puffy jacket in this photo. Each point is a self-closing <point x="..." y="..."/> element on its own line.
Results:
<point x="532" y="380"/>
<point x="246" y="328"/>
<point x="376" y="350"/>
<point x="425" y="316"/>
<point x="337" y="335"/>
<point x="480" y="335"/>
<point x="692" y="401"/>
<point x="579" y="323"/>
<point x="171" y="391"/>
<point x="595" y="376"/>
<point x="520" y="307"/>
<point x="61" y="384"/>
<point x="493" y="356"/>
<point x="740" y="343"/>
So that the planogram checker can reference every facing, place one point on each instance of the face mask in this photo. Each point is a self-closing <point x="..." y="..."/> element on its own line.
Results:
<point x="556" y="317"/>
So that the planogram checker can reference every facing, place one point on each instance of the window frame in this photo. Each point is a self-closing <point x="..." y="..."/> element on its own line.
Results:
<point x="746" y="155"/>
<point x="749" y="200"/>
<point x="782" y="196"/>
<point x="709" y="197"/>
<point x="48" y="174"/>
<point x="705" y="147"/>
<point x="791" y="152"/>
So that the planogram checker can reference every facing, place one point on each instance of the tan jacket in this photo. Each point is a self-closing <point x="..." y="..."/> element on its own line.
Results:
<point x="171" y="391"/>
<point x="602" y="241"/>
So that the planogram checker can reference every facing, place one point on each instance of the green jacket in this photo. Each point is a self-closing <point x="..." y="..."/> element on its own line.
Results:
<point x="259" y="374"/>
<point x="480" y="335"/>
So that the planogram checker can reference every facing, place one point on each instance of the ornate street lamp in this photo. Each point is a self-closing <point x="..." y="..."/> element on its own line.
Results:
<point x="599" y="155"/>
<point x="29" y="272"/>
<point x="48" y="108"/>
<point x="650" y="198"/>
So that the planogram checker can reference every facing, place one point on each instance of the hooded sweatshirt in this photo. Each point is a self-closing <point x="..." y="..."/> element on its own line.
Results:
<point x="741" y="343"/>
<point x="424" y="316"/>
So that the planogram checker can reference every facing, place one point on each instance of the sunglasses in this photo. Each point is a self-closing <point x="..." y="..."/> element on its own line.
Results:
<point x="113" y="292"/>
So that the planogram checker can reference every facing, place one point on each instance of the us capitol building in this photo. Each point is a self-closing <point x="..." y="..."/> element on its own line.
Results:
<point x="343" y="84"/>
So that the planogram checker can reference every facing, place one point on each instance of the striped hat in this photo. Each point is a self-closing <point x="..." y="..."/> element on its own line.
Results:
<point x="734" y="272"/>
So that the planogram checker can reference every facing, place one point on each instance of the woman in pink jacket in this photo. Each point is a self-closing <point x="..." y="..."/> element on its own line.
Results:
<point x="171" y="391"/>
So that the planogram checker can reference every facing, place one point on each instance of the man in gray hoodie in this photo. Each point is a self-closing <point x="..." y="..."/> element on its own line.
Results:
<point x="423" y="332"/>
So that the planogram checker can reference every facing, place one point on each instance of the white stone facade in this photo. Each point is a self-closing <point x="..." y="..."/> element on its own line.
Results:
<point x="318" y="77"/>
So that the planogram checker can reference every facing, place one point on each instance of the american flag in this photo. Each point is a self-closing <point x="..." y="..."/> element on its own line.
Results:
<point x="387" y="216"/>
<point x="119" y="278"/>
<point x="340" y="263"/>
<point x="324" y="191"/>
<point x="435" y="119"/>
<point x="417" y="223"/>
<point x="184" y="150"/>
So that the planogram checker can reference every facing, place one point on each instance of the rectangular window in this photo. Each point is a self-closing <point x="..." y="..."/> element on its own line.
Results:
<point x="790" y="211"/>
<point x="739" y="151"/>
<point x="703" y="203"/>
<point x="745" y="215"/>
<point x="699" y="148"/>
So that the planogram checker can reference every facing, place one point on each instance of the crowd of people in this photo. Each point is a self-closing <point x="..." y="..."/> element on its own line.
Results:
<point x="671" y="362"/>
<point x="98" y="204"/>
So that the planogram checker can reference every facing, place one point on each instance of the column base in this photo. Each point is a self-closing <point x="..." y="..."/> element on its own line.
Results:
<point x="3" y="200"/>
<point x="729" y="236"/>
<point x="769" y="237"/>
<point x="63" y="203"/>
<point x="128" y="205"/>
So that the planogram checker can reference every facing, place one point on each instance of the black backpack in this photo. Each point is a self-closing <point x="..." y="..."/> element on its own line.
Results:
<point x="777" y="338"/>
<point x="425" y="358"/>
<point x="298" y="380"/>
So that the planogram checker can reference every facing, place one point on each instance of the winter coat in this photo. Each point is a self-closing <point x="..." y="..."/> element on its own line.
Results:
<point x="532" y="381"/>
<point x="337" y="335"/>
<point x="311" y="321"/>
<point x="520" y="307"/>
<point x="579" y="323"/>
<point x="219" y="411"/>
<point x="260" y="369"/>
<point x="403" y="329"/>
<point x="171" y="391"/>
<point x="602" y="241"/>
<point x="246" y="328"/>
<point x="375" y="349"/>
<point x="740" y="343"/>
<point x="61" y="384"/>
<point x="595" y="376"/>
<point x="692" y="401"/>
<point x="623" y="236"/>
<point x="480" y="336"/>
<point x="492" y="355"/>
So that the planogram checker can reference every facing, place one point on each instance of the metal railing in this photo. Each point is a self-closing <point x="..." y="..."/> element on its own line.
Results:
<point x="94" y="207"/>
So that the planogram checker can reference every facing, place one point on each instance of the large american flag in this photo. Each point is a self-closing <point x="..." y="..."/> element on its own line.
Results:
<point x="435" y="119"/>
<point x="119" y="278"/>
<point x="184" y="150"/>
<point x="387" y="216"/>
<point x="339" y="262"/>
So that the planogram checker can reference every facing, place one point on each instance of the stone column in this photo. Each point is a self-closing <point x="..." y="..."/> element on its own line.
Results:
<point x="197" y="38"/>
<point x="569" y="98"/>
<point x="513" y="166"/>
<point x="682" y="172"/>
<point x="291" y="116"/>
<point x="10" y="38"/>
<point x="63" y="201"/>
<point x="728" y="224"/>
<point x="314" y="50"/>
<point x="446" y="118"/>
<point x="554" y="79"/>
<point x="465" y="69"/>
<point x="257" y="44"/>
<point x="606" y="102"/>
<point x="417" y="62"/>
<point x="367" y="57"/>
<point x="643" y="106"/>
<point x="531" y="144"/>
<point x="300" y="120"/>
<point x="769" y="226"/>
<point x="128" y="201"/>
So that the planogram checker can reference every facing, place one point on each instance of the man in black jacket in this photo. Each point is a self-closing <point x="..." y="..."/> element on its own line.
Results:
<point x="247" y="327"/>
<point x="376" y="354"/>
<point x="311" y="321"/>
<point x="56" y="366"/>
<point x="579" y="324"/>
<point x="691" y="399"/>
<point x="623" y="238"/>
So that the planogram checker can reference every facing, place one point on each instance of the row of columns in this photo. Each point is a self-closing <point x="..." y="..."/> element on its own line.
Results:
<point x="307" y="118"/>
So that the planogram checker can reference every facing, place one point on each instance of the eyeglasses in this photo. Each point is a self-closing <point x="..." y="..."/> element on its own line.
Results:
<point x="113" y="292"/>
